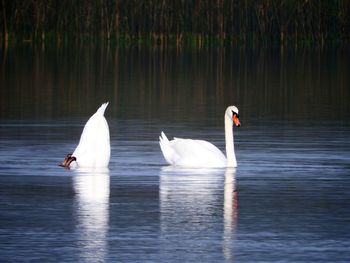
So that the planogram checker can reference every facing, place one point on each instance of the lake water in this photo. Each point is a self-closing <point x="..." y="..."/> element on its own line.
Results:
<point x="287" y="201"/>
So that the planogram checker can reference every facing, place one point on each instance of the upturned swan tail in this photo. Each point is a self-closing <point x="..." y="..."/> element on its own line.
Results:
<point x="163" y="138"/>
<point x="102" y="109"/>
<point x="165" y="147"/>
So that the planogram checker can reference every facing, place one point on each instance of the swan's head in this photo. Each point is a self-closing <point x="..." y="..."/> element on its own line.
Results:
<point x="232" y="113"/>
<point x="67" y="161"/>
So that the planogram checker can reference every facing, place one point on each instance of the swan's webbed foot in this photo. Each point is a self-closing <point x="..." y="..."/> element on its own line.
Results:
<point x="67" y="161"/>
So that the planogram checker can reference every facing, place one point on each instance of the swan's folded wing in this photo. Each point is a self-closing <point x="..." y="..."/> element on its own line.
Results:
<point x="197" y="153"/>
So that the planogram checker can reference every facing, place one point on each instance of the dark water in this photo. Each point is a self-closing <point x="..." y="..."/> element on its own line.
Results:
<point x="288" y="199"/>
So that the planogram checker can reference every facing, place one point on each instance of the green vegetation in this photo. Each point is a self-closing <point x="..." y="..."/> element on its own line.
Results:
<point x="177" y="22"/>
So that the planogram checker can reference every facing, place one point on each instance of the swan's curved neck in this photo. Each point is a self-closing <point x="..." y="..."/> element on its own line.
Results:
<point x="230" y="147"/>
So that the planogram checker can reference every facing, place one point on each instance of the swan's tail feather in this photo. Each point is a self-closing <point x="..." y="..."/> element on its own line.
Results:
<point x="163" y="138"/>
<point x="165" y="147"/>
<point x="103" y="107"/>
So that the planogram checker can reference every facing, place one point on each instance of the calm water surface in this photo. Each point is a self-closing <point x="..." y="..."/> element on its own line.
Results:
<point x="288" y="199"/>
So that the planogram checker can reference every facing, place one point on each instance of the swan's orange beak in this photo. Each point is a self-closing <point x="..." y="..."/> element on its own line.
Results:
<point x="236" y="121"/>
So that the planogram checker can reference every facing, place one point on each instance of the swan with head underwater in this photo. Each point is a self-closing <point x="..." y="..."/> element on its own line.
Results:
<point x="199" y="153"/>
<point x="94" y="148"/>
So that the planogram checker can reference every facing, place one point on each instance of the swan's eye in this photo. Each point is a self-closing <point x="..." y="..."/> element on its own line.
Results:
<point x="234" y="113"/>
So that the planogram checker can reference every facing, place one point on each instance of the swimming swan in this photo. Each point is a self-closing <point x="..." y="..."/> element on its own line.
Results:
<point x="199" y="153"/>
<point x="94" y="148"/>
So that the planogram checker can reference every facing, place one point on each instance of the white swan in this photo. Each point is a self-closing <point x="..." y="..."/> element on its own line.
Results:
<point x="94" y="148"/>
<point x="199" y="153"/>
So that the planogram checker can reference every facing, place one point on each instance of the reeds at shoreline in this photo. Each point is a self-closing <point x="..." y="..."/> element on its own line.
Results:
<point x="165" y="22"/>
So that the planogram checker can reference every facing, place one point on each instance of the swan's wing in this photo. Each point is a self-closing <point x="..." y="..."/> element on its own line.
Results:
<point x="212" y="148"/>
<point x="197" y="153"/>
<point x="194" y="153"/>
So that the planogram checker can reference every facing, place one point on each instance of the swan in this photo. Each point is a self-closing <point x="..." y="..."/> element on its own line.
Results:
<point x="199" y="153"/>
<point x="94" y="148"/>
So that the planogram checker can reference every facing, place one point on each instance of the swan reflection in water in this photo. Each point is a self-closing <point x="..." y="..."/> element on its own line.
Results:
<point x="230" y="212"/>
<point x="92" y="212"/>
<point x="190" y="199"/>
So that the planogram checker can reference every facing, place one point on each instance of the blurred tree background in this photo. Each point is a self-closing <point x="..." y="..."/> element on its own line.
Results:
<point x="177" y="22"/>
